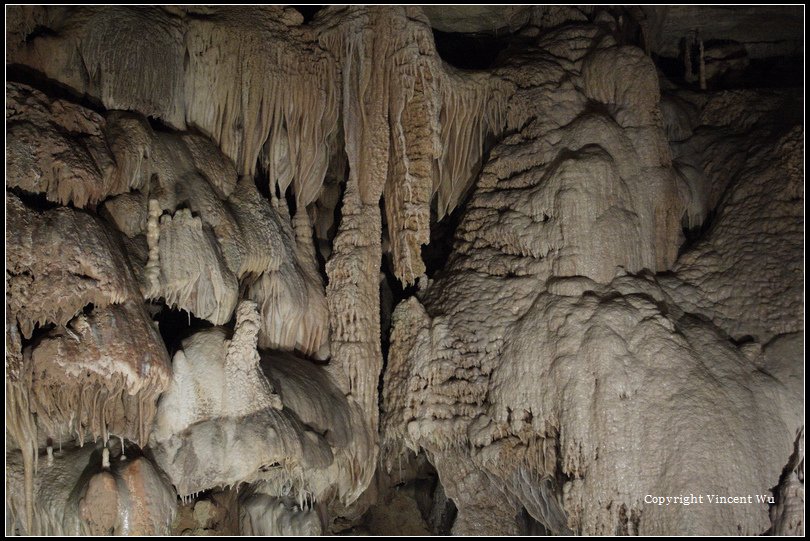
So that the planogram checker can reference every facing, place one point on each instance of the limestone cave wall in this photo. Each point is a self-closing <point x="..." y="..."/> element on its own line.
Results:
<point x="404" y="270"/>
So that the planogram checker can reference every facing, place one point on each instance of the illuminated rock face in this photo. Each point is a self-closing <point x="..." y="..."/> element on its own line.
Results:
<point x="265" y="272"/>
<point x="85" y="491"/>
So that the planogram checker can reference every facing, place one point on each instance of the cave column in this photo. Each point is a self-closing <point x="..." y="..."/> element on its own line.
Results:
<point x="353" y="270"/>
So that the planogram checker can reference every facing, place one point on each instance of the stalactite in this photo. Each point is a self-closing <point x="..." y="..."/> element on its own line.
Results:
<point x="20" y="422"/>
<point x="413" y="111"/>
<point x="268" y="95"/>
<point x="518" y="271"/>
<point x="473" y="107"/>
<point x="276" y="91"/>
<point x="262" y="514"/>
<point x="82" y="495"/>
<point x="313" y="333"/>
<point x="21" y="426"/>
<point x="59" y="261"/>
<point x="60" y="149"/>
<point x="193" y="273"/>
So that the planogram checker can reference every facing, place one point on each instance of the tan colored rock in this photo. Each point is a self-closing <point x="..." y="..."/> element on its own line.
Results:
<point x="279" y="420"/>
<point x="99" y="507"/>
<point x="571" y="356"/>
<point x="186" y="70"/>
<point x="730" y="277"/>
<point x="100" y="374"/>
<point x="59" y="261"/>
<point x="522" y="295"/>
<point x="193" y="273"/>
<point x="75" y="496"/>
<point x="59" y="149"/>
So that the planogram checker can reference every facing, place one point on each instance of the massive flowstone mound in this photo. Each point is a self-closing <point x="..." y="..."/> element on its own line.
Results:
<point x="584" y="195"/>
<point x="275" y="272"/>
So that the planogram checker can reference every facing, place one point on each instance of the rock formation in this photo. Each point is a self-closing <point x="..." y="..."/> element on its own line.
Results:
<point x="299" y="271"/>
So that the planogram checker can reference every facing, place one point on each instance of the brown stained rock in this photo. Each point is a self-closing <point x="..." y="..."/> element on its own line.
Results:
<point x="476" y="18"/>
<point x="58" y="262"/>
<point x="74" y="155"/>
<point x="204" y="513"/>
<point x="73" y="495"/>
<point x="100" y="374"/>
<point x="150" y="498"/>
<point x="397" y="514"/>
<point x="58" y="148"/>
<point x="217" y="516"/>
<point x="186" y="70"/>
<point x="98" y="508"/>
<point x="290" y="125"/>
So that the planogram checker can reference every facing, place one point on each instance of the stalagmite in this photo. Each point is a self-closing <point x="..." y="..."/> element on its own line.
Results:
<point x="515" y="256"/>
<point x="262" y="430"/>
<point x="787" y="515"/>
<point x="246" y="388"/>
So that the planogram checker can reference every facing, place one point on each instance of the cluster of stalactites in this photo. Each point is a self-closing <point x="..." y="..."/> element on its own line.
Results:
<point x="272" y="98"/>
<point x="428" y="123"/>
<point x="268" y="97"/>
<point x="196" y="258"/>
<point x="474" y="107"/>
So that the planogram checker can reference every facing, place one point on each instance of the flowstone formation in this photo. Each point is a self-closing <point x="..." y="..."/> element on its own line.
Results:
<point x="282" y="272"/>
